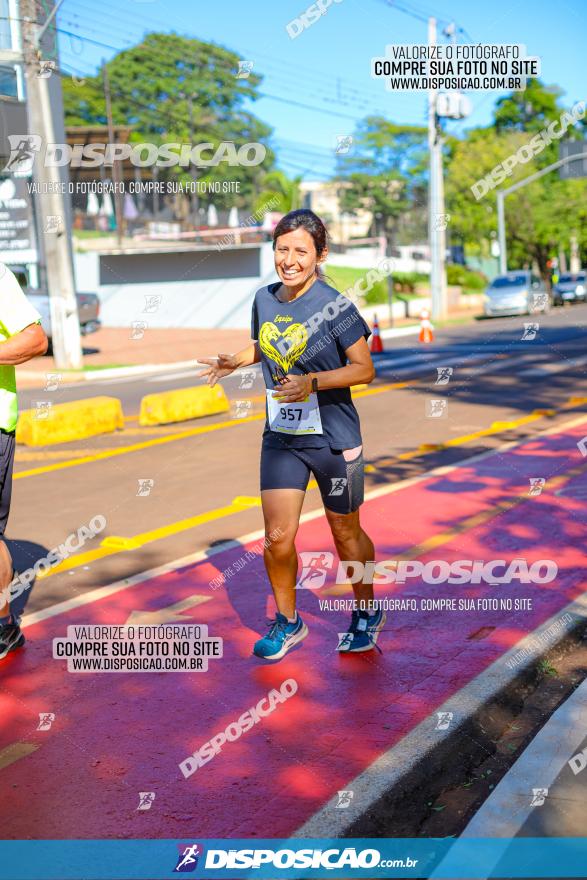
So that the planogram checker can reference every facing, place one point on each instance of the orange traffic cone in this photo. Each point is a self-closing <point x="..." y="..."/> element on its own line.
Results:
<point x="426" y="328"/>
<point x="376" y="343"/>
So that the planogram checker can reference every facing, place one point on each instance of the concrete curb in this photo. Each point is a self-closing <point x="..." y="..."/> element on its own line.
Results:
<point x="143" y="369"/>
<point x="167" y="407"/>
<point x="396" y="332"/>
<point x="64" y="422"/>
<point x="111" y="373"/>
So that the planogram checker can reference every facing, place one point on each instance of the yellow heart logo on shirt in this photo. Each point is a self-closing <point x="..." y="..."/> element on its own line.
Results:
<point x="283" y="348"/>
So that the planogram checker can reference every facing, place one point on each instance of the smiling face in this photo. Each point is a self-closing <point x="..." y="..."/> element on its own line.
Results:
<point x="296" y="258"/>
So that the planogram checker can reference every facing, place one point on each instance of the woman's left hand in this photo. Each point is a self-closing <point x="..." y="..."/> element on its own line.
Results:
<point x="293" y="389"/>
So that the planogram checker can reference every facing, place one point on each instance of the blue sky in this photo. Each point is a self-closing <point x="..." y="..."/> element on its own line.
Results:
<point x="327" y="67"/>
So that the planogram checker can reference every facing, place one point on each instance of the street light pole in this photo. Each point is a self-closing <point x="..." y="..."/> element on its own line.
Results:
<point x="502" y="193"/>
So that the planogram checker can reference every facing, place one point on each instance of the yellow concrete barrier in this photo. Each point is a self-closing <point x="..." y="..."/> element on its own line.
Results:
<point x="62" y="422"/>
<point x="183" y="404"/>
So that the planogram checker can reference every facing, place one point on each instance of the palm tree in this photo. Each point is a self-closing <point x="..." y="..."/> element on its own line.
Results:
<point x="280" y="191"/>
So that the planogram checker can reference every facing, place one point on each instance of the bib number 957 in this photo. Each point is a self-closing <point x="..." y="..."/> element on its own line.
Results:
<point x="290" y="415"/>
<point x="301" y="417"/>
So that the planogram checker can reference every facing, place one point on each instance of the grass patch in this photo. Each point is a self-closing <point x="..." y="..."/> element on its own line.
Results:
<point x="404" y="283"/>
<point x="545" y="668"/>
<point x="87" y="367"/>
<point x="92" y="233"/>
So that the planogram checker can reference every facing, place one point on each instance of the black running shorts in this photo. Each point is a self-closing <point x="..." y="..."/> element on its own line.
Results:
<point x="341" y="482"/>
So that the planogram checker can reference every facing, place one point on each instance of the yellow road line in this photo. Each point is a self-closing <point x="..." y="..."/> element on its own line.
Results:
<point x="15" y="751"/>
<point x="48" y="454"/>
<point x="495" y="428"/>
<point x="115" y="544"/>
<point x="100" y="455"/>
<point x="135" y="447"/>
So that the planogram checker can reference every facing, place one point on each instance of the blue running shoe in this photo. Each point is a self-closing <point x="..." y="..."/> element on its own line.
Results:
<point x="362" y="633"/>
<point x="281" y="637"/>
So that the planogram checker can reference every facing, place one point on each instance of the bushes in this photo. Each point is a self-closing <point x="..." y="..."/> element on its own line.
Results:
<point x="457" y="275"/>
<point x="404" y="283"/>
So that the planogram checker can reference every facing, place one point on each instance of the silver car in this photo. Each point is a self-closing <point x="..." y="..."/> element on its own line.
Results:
<point x="516" y="293"/>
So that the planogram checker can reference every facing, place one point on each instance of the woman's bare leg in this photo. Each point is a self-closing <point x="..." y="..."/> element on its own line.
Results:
<point x="281" y="512"/>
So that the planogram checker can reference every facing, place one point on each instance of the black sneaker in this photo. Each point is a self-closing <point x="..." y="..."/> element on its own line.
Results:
<point x="11" y="638"/>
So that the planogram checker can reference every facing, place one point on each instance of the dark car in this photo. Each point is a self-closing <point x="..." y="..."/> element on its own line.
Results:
<point x="570" y="287"/>
<point x="88" y="304"/>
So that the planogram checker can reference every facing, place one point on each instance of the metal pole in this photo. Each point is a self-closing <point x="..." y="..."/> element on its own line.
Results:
<point x="502" y="193"/>
<point x="118" y="211"/>
<point x="503" y="261"/>
<point x="60" y="283"/>
<point x="435" y="201"/>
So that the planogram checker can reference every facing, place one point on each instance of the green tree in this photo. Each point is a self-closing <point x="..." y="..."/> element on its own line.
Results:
<point x="529" y="110"/>
<point x="539" y="218"/>
<point x="384" y="172"/>
<point x="171" y="88"/>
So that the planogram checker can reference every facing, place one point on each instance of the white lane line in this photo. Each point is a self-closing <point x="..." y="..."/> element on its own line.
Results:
<point x="422" y="366"/>
<point x="183" y="375"/>
<point x="550" y="369"/>
<point x="388" y="770"/>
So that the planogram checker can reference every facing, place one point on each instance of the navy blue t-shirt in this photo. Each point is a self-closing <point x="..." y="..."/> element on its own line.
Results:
<point x="310" y="335"/>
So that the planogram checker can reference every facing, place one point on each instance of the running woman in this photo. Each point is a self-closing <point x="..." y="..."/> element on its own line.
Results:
<point x="311" y="342"/>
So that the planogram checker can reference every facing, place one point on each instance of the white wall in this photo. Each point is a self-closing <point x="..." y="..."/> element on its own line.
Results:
<point x="208" y="303"/>
<point x="368" y="258"/>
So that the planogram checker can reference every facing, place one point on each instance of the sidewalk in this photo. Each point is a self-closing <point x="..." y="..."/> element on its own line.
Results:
<point x="113" y="347"/>
<point x="542" y="797"/>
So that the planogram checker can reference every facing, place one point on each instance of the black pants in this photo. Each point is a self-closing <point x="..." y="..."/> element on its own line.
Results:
<point x="7" y="446"/>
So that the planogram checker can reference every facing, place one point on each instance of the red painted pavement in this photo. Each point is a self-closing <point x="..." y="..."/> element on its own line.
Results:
<point x="117" y="734"/>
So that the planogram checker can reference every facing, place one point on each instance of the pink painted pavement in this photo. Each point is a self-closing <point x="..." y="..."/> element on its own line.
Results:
<point x="115" y="734"/>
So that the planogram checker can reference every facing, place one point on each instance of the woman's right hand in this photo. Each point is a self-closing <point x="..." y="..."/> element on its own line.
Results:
<point x="218" y="368"/>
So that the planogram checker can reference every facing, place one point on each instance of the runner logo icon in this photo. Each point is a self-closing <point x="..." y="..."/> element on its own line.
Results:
<point x="338" y="485"/>
<point x="344" y="799"/>
<point x="189" y="853"/>
<point x="315" y="567"/>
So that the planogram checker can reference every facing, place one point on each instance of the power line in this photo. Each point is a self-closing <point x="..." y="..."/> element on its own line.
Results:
<point x="260" y="94"/>
<point x="361" y="103"/>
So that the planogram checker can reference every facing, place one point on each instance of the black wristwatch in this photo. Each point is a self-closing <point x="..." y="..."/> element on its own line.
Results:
<point x="314" y="383"/>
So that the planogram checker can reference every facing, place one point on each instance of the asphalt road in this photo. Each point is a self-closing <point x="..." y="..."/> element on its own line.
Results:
<point x="167" y="492"/>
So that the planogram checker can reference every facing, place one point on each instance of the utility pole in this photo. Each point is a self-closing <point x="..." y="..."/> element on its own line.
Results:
<point x="436" y="235"/>
<point x="503" y="256"/>
<point x="65" y="330"/>
<point x="118" y="212"/>
<point x="193" y="168"/>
